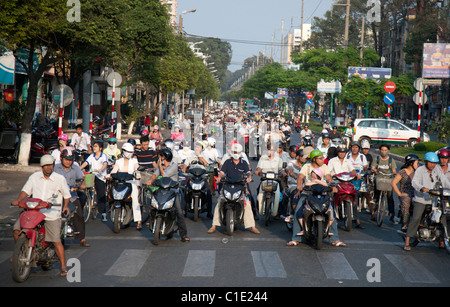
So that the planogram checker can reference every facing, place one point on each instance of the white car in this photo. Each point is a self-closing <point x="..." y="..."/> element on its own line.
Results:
<point x="388" y="131"/>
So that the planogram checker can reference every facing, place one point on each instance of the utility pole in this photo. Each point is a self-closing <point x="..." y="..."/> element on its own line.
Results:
<point x="362" y="41"/>
<point x="301" y="29"/>
<point x="282" y="43"/>
<point x="347" y="16"/>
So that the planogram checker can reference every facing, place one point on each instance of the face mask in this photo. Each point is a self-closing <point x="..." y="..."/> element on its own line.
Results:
<point x="235" y="156"/>
<point x="127" y="154"/>
<point x="383" y="153"/>
<point x="112" y="146"/>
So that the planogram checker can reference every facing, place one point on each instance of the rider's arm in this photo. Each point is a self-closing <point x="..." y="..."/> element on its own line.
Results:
<point x="22" y="196"/>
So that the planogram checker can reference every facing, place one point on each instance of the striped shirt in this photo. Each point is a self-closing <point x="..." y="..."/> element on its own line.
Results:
<point x="146" y="158"/>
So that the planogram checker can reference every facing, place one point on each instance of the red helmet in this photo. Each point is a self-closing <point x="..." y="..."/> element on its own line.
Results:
<point x="444" y="153"/>
<point x="145" y="132"/>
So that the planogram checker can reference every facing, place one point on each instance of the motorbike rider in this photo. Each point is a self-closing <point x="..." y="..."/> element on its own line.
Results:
<point x="316" y="161"/>
<point x="293" y="170"/>
<point x="211" y="154"/>
<point x="444" y="156"/>
<point x="195" y="157"/>
<point x="235" y="166"/>
<point x="426" y="177"/>
<point x="327" y="125"/>
<point x="72" y="172"/>
<point x="98" y="163"/>
<point x="406" y="191"/>
<point x="306" y="132"/>
<point x="62" y="143"/>
<point x="339" y="165"/>
<point x="168" y="168"/>
<point x="45" y="185"/>
<point x="335" y="134"/>
<point x="146" y="156"/>
<point x="81" y="140"/>
<point x="270" y="162"/>
<point x="387" y="165"/>
<point x="324" y="144"/>
<point x="129" y="164"/>
<point x="111" y="149"/>
<point x="155" y="134"/>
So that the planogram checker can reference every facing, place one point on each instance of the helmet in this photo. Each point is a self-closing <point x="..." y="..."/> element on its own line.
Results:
<point x="67" y="154"/>
<point x="167" y="154"/>
<point x="341" y="149"/>
<point x="443" y="153"/>
<point x="365" y="144"/>
<point x="318" y="172"/>
<point x="145" y="132"/>
<point x="431" y="157"/>
<point x="128" y="147"/>
<point x="236" y="147"/>
<point x="356" y="143"/>
<point x="293" y="148"/>
<point x="63" y="137"/>
<point x="112" y="140"/>
<point x="131" y="141"/>
<point x="169" y="144"/>
<point x="409" y="159"/>
<point x="47" y="160"/>
<point x="315" y="153"/>
<point x="325" y="135"/>
<point x="155" y="127"/>
<point x="211" y="141"/>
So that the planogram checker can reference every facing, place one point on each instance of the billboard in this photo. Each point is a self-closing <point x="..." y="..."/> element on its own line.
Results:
<point x="436" y="60"/>
<point x="369" y="72"/>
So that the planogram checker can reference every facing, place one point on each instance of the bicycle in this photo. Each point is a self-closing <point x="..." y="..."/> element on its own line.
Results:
<point x="383" y="185"/>
<point x="90" y="209"/>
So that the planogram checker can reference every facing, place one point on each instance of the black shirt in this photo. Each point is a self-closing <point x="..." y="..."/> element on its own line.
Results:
<point x="232" y="169"/>
<point x="146" y="158"/>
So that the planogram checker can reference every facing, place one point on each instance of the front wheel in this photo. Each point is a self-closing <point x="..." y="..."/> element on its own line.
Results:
<point x="20" y="269"/>
<point x="268" y="207"/>
<point x="157" y="230"/>
<point x="319" y="237"/>
<point x="117" y="212"/>
<point x="230" y="221"/>
<point x="381" y="212"/>
<point x="348" y="215"/>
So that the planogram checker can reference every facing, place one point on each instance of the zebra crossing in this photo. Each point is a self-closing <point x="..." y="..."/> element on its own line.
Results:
<point x="281" y="264"/>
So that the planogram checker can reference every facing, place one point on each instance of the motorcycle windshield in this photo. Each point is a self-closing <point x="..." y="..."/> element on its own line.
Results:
<point x="122" y="176"/>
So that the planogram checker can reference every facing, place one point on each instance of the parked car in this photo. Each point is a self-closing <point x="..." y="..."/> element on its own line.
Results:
<point x="379" y="130"/>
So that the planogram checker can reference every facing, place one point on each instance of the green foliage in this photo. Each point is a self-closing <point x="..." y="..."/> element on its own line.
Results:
<point x="429" y="146"/>
<point x="12" y="111"/>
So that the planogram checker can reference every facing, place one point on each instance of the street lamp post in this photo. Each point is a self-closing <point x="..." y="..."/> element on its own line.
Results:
<point x="347" y="16"/>
<point x="180" y="23"/>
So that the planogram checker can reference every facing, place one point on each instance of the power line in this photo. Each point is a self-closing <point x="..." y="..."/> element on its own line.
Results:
<point x="239" y="41"/>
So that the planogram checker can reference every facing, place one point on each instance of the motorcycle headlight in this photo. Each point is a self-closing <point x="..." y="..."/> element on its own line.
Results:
<point x="197" y="186"/>
<point x="236" y="195"/>
<point x="119" y="195"/>
<point x="227" y="194"/>
<point x="32" y="204"/>
<point x="169" y="204"/>
<point x="446" y="192"/>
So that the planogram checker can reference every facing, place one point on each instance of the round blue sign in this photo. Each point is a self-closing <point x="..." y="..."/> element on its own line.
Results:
<point x="389" y="99"/>
<point x="309" y="102"/>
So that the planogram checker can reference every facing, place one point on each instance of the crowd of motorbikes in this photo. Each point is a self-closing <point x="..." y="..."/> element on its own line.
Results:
<point x="158" y="211"/>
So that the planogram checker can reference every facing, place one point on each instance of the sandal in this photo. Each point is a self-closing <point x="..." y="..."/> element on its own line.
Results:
<point x="85" y="244"/>
<point x="185" y="239"/>
<point x="139" y="226"/>
<point x="63" y="273"/>
<point x="339" y="243"/>
<point x="292" y="243"/>
<point x="407" y="248"/>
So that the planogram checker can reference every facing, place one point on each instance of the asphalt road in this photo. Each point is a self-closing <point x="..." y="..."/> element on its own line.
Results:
<point x="373" y="257"/>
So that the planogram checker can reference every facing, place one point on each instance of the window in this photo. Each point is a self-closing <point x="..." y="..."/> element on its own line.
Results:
<point x="364" y="124"/>
<point x="395" y="126"/>
<point x="380" y="124"/>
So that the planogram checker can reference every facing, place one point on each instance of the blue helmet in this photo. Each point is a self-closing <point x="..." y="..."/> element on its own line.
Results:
<point x="431" y="157"/>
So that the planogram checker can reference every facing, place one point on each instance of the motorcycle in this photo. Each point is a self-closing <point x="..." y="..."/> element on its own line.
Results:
<point x="232" y="202"/>
<point x="316" y="216"/>
<point x="119" y="197"/>
<point x="67" y="229"/>
<point x="31" y="250"/>
<point x="269" y="184"/>
<point x="433" y="224"/>
<point x="298" y="126"/>
<point x="196" y="191"/>
<point x="102" y="133"/>
<point x="163" y="216"/>
<point x="347" y="139"/>
<point x="345" y="198"/>
<point x="307" y="141"/>
<point x="10" y="144"/>
<point x="287" y="141"/>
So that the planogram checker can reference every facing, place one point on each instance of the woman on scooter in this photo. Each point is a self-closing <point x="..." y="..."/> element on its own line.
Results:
<point x="130" y="165"/>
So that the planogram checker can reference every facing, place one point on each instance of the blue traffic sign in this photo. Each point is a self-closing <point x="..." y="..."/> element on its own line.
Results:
<point x="309" y="102"/>
<point x="389" y="99"/>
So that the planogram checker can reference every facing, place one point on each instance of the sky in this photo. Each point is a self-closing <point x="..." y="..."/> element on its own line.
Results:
<point x="248" y="20"/>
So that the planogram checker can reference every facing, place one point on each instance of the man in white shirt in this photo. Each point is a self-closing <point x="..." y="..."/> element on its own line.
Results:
<point x="81" y="140"/>
<point x="50" y="187"/>
<point x="339" y="164"/>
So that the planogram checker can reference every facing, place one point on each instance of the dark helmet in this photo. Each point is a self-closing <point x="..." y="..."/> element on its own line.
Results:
<point x="167" y="154"/>
<point x="293" y="148"/>
<point x="325" y="135"/>
<point x="409" y="159"/>
<point x="67" y="154"/>
<point x="341" y="149"/>
<point x="132" y="142"/>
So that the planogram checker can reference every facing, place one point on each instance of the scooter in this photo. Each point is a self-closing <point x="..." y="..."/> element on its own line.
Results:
<point x="433" y="226"/>
<point x="345" y="198"/>
<point x="31" y="250"/>
<point x="232" y="202"/>
<point x="307" y="141"/>
<point x="316" y="214"/>
<point x="119" y="197"/>
<point x="196" y="191"/>
<point x="163" y="216"/>
<point x="297" y="126"/>
<point x="269" y="184"/>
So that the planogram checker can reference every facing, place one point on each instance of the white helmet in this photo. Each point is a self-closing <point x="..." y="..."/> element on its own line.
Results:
<point x="128" y="147"/>
<point x="211" y="142"/>
<point x="47" y="160"/>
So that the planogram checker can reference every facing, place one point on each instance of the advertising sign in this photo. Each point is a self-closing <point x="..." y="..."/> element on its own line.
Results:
<point x="329" y="87"/>
<point x="436" y="60"/>
<point x="369" y="72"/>
<point x="282" y="93"/>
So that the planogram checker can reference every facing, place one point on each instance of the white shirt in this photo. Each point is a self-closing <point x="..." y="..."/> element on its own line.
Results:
<point x="82" y="142"/>
<point x="268" y="165"/>
<point x="359" y="162"/>
<point x="304" y="132"/>
<point x="210" y="155"/>
<point x="97" y="164"/>
<point x="335" y="166"/>
<point x="37" y="186"/>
